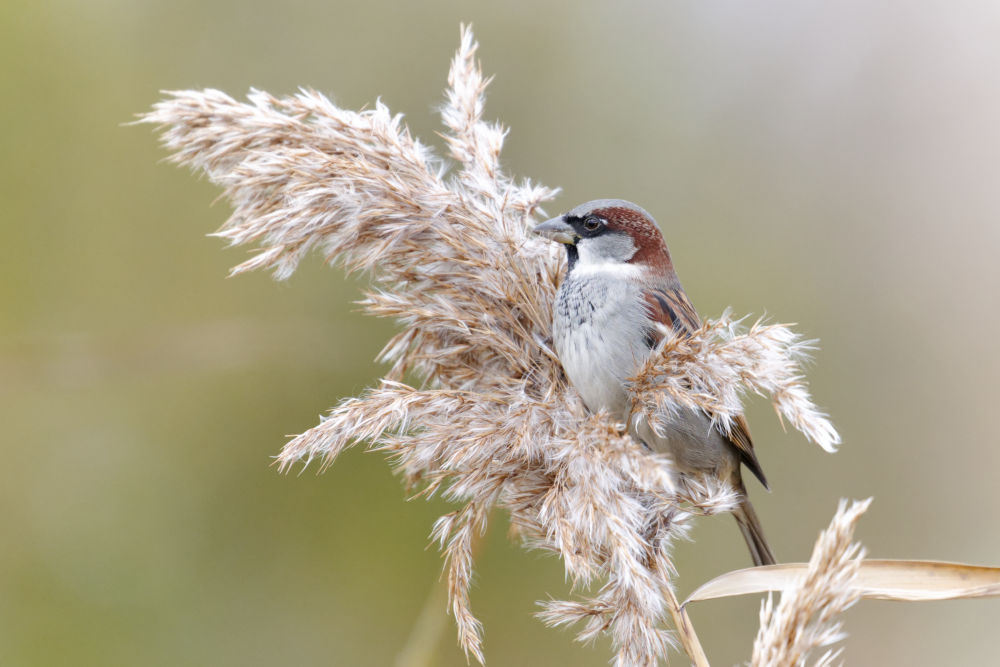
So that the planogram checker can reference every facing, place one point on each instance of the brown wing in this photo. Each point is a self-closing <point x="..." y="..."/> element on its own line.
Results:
<point x="670" y="306"/>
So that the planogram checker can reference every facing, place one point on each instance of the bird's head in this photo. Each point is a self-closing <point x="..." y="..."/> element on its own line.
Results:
<point x="608" y="232"/>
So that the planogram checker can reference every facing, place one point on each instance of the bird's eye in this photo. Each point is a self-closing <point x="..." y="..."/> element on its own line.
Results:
<point x="592" y="223"/>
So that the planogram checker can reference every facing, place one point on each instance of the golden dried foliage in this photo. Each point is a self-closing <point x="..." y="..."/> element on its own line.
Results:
<point x="492" y="421"/>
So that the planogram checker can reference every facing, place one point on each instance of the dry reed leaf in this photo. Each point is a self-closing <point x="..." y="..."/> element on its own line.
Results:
<point x="877" y="579"/>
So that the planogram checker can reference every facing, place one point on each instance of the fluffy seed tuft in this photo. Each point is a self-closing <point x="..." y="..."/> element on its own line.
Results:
<point x="492" y="422"/>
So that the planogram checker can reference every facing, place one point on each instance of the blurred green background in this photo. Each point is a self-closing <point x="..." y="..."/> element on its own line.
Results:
<point x="831" y="164"/>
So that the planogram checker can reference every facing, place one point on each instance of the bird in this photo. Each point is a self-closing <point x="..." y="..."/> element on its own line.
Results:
<point x="619" y="292"/>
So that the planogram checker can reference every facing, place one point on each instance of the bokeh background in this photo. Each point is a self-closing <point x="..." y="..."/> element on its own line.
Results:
<point x="831" y="164"/>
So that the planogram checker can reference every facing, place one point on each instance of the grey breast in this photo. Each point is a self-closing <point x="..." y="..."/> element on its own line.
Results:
<point x="599" y="333"/>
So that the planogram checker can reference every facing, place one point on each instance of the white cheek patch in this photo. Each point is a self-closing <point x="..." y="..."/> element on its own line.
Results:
<point x="606" y="255"/>
<point x="610" y="269"/>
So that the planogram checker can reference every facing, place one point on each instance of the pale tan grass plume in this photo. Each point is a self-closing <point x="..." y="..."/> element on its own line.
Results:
<point x="805" y="620"/>
<point x="491" y="421"/>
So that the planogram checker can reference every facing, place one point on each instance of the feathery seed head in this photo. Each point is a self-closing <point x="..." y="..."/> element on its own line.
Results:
<point x="494" y="422"/>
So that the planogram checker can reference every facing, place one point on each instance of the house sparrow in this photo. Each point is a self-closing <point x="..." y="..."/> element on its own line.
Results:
<point x="619" y="287"/>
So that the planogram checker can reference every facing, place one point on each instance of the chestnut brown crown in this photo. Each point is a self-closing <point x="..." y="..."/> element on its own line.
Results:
<point x="606" y="224"/>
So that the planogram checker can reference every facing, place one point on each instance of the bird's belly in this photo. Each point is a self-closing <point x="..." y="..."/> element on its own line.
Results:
<point x="692" y="443"/>
<point x="592" y="376"/>
<point x="599" y="335"/>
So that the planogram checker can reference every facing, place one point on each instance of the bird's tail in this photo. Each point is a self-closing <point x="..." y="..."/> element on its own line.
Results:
<point x="753" y="533"/>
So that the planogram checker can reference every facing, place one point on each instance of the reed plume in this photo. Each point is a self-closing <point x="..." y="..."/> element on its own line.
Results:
<point x="490" y="421"/>
<point x="806" y="618"/>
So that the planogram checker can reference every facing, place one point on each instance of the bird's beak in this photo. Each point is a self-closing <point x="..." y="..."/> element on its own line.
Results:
<point x="558" y="230"/>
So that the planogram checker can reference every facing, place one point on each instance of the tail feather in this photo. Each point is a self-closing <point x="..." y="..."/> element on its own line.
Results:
<point x="753" y="533"/>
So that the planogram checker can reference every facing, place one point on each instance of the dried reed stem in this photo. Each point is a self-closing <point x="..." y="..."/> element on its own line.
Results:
<point x="685" y="632"/>
<point x="420" y="646"/>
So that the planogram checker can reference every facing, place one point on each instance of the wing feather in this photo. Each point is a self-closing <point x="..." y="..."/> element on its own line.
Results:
<point x="670" y="307"/>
